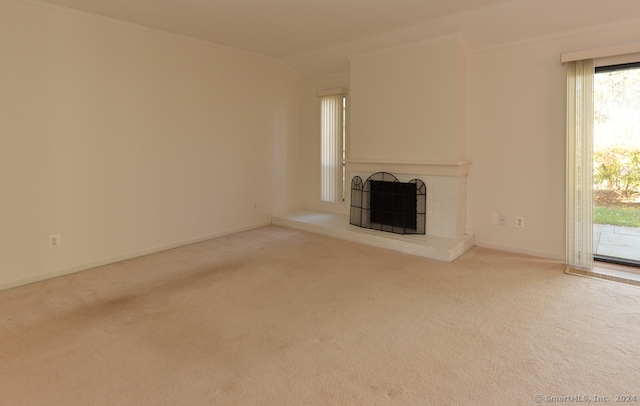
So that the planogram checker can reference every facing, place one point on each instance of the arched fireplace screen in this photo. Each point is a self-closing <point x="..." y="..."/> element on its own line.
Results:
<point x="386" y="204"/>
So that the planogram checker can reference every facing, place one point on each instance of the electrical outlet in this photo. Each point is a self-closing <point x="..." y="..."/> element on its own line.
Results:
<point x="503" y="220"/>
<point x="55" y="241"/>
<point x="255" y="205"/>
<point x="520" y="222"/>
<point x="495" y="218"/>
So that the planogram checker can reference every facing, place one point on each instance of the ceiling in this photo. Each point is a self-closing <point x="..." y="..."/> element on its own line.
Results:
<point x="277" y="28"/>
<point x="316" y="36"/>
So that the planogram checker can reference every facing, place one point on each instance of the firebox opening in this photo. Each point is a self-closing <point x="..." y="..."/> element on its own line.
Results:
<point x="383" y="203"/>
<point x="393" y="204"/>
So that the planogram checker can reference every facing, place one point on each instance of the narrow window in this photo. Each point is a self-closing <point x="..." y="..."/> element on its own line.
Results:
<point x="579" y="162"/>
<point x="332" y="153"/>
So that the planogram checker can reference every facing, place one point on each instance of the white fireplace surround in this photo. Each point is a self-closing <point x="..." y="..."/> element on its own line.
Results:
<point x="446" y="190"/>
<point x="445" y="237"/>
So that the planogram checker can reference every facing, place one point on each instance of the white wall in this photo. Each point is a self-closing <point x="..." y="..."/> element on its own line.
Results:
<point x="502" y="107"/>
<point x="408" y="103"/>
<point x="516" y="127"/>
<point x="127" y="140"/>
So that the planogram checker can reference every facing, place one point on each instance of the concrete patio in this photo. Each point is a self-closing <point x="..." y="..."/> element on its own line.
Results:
<point x="616" y="241"/>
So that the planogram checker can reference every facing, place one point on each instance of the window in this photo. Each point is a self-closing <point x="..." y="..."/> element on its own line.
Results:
<point x="332" y="155"/>
<point x="581" y="68"/>
<point x="580" y="163"/>
<point x="616" y="157"/>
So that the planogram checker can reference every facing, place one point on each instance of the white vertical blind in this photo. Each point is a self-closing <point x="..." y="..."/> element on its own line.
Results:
<point x="580" y="76"/>
<point x="331" y="147"/>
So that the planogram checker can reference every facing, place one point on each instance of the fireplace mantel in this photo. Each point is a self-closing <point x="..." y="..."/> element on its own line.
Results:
<point x="432" y="168"/>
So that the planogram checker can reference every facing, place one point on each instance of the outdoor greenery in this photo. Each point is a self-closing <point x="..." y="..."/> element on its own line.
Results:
<point x="616" y="166"/>
<point x="617" y="169"/>
<point x="620" y="216"/>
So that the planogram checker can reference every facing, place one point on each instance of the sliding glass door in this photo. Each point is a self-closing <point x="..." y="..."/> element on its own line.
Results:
<point x="616" y="164"/>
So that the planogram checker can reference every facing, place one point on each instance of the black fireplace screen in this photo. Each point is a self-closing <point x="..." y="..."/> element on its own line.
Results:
<point x="386" y="204"/>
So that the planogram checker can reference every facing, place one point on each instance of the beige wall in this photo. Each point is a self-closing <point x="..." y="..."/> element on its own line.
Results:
<point x="408" y="104"/>
<point x="516" y="128"/>
<point x="503" y="108"/>
<point x="127" y="140"/>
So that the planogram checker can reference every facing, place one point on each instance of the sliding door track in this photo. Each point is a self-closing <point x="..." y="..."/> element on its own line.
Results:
<point x="619" y="261"/>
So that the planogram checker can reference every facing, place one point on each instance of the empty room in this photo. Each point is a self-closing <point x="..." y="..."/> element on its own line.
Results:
<point x="328" y="203"/>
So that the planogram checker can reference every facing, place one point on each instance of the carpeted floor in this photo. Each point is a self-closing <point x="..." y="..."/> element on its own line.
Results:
<point x="275" y="316"/>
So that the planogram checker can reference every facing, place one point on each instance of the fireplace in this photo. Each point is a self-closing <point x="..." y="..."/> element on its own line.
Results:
<point x="440" y="215"/>
<point x="384" y="203"/>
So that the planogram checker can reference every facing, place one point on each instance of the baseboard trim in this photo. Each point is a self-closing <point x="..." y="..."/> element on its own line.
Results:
<point x="106" y="261"/>
<point x="518" y="250"/>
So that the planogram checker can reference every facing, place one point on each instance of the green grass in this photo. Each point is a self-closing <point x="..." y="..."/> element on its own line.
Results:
<point x="619" y="216"/>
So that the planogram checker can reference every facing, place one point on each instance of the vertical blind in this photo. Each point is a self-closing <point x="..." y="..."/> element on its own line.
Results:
<point x="580" y="77"/>
<point x="332" y="129"/>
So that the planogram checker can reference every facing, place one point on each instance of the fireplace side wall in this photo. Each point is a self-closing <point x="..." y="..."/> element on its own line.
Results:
<point x="446" y="206"/>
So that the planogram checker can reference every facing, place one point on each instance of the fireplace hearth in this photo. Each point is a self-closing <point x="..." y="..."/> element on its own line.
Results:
<point x="441" y="213"/>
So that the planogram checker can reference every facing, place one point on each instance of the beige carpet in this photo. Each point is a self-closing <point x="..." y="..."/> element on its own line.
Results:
<point x="275" y="316"/>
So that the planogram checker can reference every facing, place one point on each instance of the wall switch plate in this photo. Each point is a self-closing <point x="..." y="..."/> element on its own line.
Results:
<point x="495" y="218"/>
